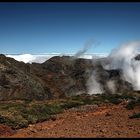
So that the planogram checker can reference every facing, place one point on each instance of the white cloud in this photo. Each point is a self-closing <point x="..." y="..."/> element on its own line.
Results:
<point x="40" y="58"/>
<point x="123" y="58"/>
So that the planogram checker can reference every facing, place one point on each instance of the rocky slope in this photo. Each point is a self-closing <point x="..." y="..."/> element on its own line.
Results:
<point x="58" y="77"/>
<point x="16" y="82"/>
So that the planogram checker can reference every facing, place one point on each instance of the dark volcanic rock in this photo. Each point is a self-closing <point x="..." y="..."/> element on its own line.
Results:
<point x="137" y="57"/>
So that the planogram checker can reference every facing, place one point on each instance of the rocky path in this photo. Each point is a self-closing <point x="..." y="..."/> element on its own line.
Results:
<point x="87" y="121"/>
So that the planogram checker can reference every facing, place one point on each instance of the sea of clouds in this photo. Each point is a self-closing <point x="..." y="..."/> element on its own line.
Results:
<point x="40" y="58"/>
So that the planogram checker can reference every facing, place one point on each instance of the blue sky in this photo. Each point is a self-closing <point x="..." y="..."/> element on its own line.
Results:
<point x="66" y="27"/>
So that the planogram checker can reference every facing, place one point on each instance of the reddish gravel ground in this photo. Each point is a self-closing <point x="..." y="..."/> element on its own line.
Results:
<point x="5" y="130"/>
<point x="87" y="121"/>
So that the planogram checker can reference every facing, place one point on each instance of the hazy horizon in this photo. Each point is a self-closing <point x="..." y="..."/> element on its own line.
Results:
<point x="40" y="58"/>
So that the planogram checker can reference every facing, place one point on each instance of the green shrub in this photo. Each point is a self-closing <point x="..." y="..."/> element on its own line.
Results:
<point x="14" y="120"/>
<point x="135" y="115"/>
<point x="127" y="96"/>
<point x="32" y="119"/>
<point x="70" y="104"/>
<point x="133" y="103"/>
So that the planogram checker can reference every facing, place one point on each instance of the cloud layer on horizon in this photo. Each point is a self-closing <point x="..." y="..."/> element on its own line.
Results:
<point x="40" y="58"/>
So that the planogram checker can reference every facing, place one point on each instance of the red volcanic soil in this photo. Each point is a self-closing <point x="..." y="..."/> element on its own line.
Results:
<point x="5" y="131"/>
<point x="86" y="121"/>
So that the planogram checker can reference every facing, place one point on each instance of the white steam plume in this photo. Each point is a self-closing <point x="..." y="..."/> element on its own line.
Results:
<point x="111" y="86"/>
<point x="88" y="45"/>
<point x="93" y="86"/>
<point x="124" y="58"/>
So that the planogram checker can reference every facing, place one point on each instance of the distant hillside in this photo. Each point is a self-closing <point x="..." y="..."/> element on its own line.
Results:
<point x="57" y="77"/>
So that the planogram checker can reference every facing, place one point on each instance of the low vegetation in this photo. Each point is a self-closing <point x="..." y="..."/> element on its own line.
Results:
<point x="135" y="115"/>
<point x="132" y="103"/>
<point x="19" y="114"/>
